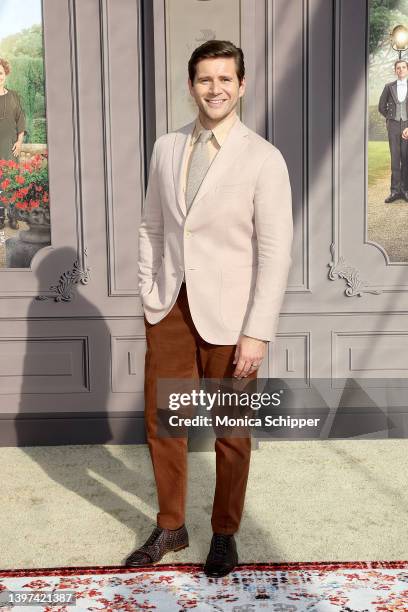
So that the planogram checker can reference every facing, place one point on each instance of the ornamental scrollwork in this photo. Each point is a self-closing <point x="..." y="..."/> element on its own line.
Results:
<point x="356" y="286"/>
<point x="67" y="281"/>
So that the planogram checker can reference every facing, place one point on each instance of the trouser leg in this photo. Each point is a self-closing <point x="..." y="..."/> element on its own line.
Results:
<point x="232" y="453"/>
<point x="404" y="160"/>
<point x="171" y="353"/>
<point x="394" y="139"/>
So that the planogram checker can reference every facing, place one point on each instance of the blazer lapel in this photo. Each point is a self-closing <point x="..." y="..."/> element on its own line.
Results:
<point x="180" y="148"/>
<point x="394" y="92"/>
<point x="234" y="144"/>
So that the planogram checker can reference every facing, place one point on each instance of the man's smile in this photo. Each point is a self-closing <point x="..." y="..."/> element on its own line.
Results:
<point x="215" y="102"/>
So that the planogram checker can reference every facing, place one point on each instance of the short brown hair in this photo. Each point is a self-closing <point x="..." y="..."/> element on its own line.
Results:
<point x="400" y="61"/>
<point x="217" y="48"/>
<point x="5" y="65"/>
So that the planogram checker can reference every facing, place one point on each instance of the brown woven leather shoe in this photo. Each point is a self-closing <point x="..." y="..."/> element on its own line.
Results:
<point x="160" y="542"/>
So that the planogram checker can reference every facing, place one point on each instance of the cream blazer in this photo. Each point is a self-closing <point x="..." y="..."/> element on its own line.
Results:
<point x="233" y="244"/>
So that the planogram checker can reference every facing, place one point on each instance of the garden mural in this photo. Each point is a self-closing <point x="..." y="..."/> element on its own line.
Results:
<point x="24" y="193"/>
<point x="387" y="194"/>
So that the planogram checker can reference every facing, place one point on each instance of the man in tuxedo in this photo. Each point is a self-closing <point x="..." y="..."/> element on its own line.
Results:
<point x="214" y="256"/>
<point x="393" y="105"/>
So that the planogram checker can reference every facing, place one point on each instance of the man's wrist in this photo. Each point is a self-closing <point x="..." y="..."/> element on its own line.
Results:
<point x="259" y="339"/>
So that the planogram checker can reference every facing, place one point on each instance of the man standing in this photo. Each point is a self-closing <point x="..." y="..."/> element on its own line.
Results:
<point x="214" y="256"/>
<point x="393" y="105"/>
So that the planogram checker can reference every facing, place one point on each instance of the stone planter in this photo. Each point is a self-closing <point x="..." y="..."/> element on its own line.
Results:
<point x="20" y="250"/>
<point x="12" y="218"/>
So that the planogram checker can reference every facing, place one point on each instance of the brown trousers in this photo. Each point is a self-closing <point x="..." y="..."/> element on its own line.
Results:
<point x="176" y="350"/>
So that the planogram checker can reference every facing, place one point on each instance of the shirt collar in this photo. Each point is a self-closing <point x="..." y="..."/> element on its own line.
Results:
<point x="220" y="132"/>
<point x="401" y="81"/>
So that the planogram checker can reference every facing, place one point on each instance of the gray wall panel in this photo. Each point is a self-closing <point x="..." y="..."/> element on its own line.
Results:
<point x="73" y="370"/>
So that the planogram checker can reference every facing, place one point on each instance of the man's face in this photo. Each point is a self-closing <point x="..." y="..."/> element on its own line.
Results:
<point x="216" y="89"/>
<point x="401" y="70"/>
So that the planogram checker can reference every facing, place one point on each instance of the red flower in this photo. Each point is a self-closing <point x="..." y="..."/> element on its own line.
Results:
<point x="24" y="184"/>
<point x="36" y="161"/>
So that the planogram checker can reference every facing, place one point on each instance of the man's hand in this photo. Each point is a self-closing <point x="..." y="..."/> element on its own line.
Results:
<point x="17" y="148"/>
<point x="249" y="354"/>
<point x="405" y="134"/>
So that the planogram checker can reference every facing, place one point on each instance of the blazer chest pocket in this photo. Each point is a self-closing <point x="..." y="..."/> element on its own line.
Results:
<point x="233" y="189"/>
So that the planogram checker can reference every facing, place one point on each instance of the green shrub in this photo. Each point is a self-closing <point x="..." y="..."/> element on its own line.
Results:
<point x="377" y="129"/>
<point x="38" y="133"/>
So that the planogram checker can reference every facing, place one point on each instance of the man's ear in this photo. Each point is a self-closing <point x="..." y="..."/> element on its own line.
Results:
<point x="242" y="86"/>
<point x="190" y="86"/>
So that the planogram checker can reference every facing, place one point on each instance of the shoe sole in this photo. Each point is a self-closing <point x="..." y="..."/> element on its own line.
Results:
<point x="154" y="562"/>
<point x="220" y="575"/>
<point x="217" y="574"/>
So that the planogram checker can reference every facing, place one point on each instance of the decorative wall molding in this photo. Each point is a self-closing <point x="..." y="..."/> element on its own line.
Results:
<point x="279" y="46"/>
<point x="290" y="356"/>
<point x="23" y="281"/>
<point x="79" y="206"/>
<point x="356" y="286"/>
<point x="378" y="354"/>
<point x="127" y="363"/>
<point x="68" y="279"/>
<point x="350" y="136"/>
<point x="47" y="365"/>
<point x="124" y="166"/>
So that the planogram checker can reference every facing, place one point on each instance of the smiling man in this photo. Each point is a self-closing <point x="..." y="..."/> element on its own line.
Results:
<point x="214" y="256"/>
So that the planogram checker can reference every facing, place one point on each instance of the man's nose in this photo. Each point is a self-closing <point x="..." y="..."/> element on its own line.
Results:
<point x="215" y="88"/>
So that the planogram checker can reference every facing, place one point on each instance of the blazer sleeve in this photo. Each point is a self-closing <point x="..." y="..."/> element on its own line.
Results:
<point x="274" y="231"/>
<point x="150" y="230"/>
<point x="382" y="104"/>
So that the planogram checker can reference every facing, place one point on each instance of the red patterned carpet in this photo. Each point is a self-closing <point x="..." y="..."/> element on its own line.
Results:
<point x="292" y="587"/>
